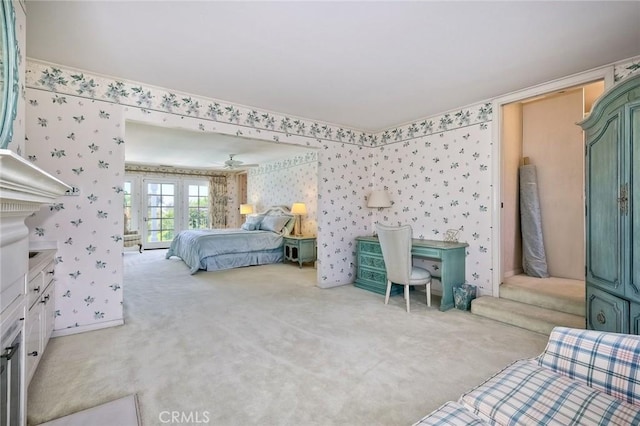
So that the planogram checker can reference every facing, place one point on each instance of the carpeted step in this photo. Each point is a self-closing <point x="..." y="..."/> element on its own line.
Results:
<point x="522" y="315"/>
<point x="556" y="294"/>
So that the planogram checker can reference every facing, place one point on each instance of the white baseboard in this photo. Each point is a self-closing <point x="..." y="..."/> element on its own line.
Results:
<point x="332" y="285"/>
<point x="84" y="328"/>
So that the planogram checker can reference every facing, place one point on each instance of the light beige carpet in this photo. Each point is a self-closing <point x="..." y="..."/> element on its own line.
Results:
<point x="263" y="345"/>
<point x="121" y="412"/>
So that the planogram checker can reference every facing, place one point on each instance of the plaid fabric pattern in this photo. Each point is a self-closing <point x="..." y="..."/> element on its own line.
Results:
<point x="527" y="394"/>
<point x="453" y="414"/>
<point x="605" y="361"/>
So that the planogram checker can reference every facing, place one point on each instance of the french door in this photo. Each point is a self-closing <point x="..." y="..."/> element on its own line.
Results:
<point x="170" y="206"/>
<point x="160" y="213"/>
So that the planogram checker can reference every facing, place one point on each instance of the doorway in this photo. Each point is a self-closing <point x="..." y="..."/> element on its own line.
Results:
<point x="542" y="131"/>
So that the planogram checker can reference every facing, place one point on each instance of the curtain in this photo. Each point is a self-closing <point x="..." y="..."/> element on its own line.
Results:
<point x="218" y="201"/>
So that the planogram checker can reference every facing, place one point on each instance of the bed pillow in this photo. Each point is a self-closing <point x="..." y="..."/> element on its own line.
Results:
<point x="274" y="223"/>
<point x="288" y="228"/>
<point x="252" y="223"/>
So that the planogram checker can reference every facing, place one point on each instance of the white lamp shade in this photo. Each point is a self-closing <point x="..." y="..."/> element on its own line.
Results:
<point x="379" y="198"/>
<point x="298" y="208"/>
<point x="246" y="208"/>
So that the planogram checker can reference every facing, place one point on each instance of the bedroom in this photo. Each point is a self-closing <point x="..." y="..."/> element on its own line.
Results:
<point x="195" y="168"/>
<point x="349" y="164"/>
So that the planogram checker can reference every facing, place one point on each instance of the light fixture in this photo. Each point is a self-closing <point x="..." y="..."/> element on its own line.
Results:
<point x="379" y="199"/>
<point x="298" y="209"/>
<point x="246" y="209"/>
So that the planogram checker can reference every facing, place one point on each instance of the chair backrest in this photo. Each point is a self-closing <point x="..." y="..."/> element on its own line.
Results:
<point x="395" y="242"/>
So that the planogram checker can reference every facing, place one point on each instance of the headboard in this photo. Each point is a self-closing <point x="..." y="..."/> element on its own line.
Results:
<point x="277" y="211"/>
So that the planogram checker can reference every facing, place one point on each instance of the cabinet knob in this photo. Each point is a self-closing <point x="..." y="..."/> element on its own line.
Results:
<point x="37" y="289"/>
<point x="9" y="352"/>
<point x="34" y="353"/>
<point x="601" y="318"/>
<point x="51" y="272"/>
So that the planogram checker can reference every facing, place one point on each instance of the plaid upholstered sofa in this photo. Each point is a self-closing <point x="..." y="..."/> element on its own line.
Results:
<point x="583" y="377"/>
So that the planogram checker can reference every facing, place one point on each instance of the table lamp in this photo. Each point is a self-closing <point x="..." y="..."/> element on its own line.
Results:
<point x="298" y="209"/>
<point x="246" y="209"/>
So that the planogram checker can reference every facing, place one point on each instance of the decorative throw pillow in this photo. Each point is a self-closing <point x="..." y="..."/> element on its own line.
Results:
<point x="248" y="226"/>
<point x="252" y="222"/>
<point x="274" y="223"/>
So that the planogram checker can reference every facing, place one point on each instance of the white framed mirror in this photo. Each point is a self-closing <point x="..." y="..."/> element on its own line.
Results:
<point x="9" y="75"/>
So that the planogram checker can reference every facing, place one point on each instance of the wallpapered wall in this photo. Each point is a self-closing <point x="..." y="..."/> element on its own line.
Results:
<point x="442" y="181"/>
<point x="340" y="151"/>
<point x="81" y="143"/>
<point x="437" y="170"/>
<point x="285" y="182"/>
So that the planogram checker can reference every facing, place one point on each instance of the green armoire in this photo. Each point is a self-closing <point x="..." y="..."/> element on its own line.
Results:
<point x="612" y="182"/>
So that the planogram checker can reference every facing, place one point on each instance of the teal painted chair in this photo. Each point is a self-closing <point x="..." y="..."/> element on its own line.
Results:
<point x="395" y="243"/>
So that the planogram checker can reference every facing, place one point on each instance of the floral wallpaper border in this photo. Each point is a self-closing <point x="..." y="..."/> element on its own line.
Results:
<point x="624" y="69"/>
<point x="58" y="79"/>
<point x="142" y="168"/>
<point x="275" y="166"/>
<point x="434" y="125"/>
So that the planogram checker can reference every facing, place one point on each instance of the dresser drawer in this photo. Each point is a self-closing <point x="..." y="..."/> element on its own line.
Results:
<point x="606" y="312"/>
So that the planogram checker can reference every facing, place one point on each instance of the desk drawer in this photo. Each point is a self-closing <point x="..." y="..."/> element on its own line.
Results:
<point x="376" y="262"/>
<point x="366" y="247"/>
<point x="426" y="252"/>
<point x="373" y="275"/>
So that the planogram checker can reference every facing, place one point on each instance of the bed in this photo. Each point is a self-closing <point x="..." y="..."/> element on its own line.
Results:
<point x="258" y="242"/>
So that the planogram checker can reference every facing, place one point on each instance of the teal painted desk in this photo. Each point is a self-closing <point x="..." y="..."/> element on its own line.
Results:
<point x="372" y="276"/>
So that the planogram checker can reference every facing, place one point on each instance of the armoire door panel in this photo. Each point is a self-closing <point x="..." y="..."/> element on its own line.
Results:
<point x="633" y="207"/>
<point x="603" y="228"/>
<point x="634" y="318"/>
<point x="606" y="312"/>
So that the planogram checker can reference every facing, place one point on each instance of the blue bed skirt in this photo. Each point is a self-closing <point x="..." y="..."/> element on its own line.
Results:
<point x="237" y="260"/>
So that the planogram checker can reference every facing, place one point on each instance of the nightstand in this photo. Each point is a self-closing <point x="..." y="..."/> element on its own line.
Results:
<point x="300" y="249"/>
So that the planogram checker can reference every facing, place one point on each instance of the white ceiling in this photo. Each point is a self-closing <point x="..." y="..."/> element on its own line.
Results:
<point x="364" y="65"/>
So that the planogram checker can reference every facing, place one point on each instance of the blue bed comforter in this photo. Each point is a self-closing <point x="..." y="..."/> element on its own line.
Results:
<point x="194" y="246"/>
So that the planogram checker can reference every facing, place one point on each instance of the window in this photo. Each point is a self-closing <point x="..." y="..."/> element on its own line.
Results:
<point x="127" y="190"/>
<point x="198" y="208"/>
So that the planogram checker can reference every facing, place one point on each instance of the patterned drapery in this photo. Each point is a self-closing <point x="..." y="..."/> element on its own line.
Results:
<point x="218" y="201"/>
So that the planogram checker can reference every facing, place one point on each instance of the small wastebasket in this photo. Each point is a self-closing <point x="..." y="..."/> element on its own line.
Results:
<point x="463" y="294"/>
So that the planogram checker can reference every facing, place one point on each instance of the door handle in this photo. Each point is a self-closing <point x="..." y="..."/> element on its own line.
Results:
<point x="623" y="199"/>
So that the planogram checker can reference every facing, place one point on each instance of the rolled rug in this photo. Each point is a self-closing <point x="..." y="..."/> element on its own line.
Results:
<point x="534" y="259"/>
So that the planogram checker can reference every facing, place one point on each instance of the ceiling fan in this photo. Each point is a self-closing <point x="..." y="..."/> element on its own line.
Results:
<point x="232" y="164"/>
